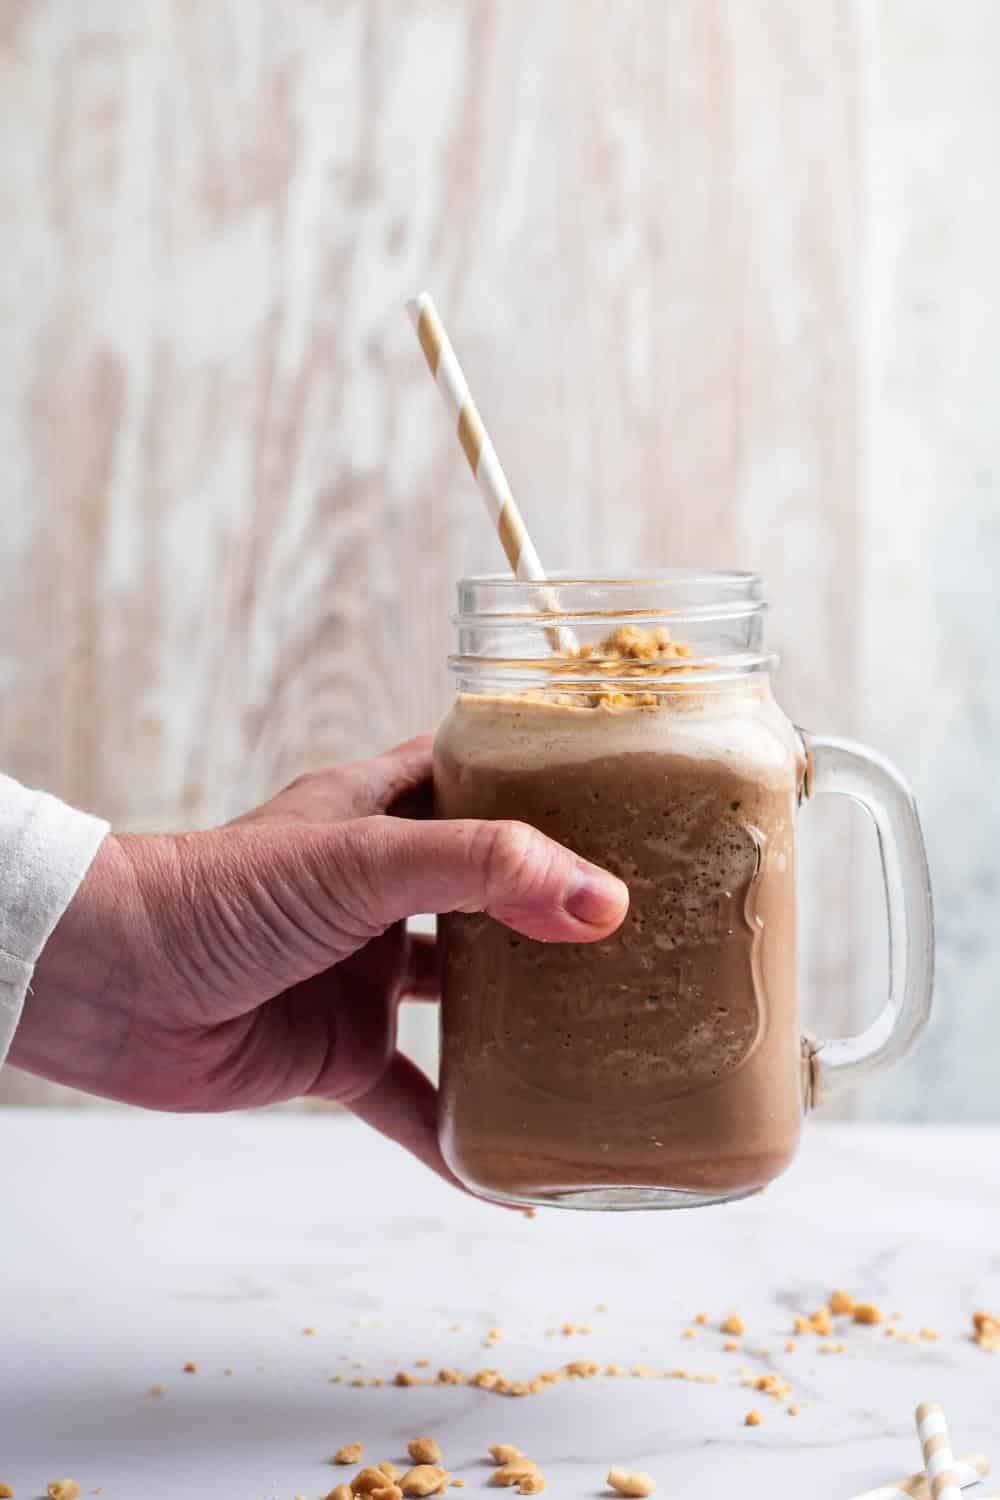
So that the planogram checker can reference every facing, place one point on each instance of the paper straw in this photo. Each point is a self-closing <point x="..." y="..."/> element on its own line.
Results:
<point x="969" y="1469"/>
<point x="487" y="470"/>
<point x="932" y="1429"/>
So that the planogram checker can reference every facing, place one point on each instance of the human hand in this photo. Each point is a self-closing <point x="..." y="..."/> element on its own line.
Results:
<point x="266" y="959"/>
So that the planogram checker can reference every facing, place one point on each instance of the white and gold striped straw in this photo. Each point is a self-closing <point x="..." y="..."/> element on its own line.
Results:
<point x="932" y="1429"/>
<point x="969" y="1470"/>
<point x="487" y="470"/>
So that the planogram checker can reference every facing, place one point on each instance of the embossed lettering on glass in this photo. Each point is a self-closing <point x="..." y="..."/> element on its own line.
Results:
<point x="664" y="1067"/>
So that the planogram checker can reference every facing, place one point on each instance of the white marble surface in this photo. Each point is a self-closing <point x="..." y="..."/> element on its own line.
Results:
<point x="132" y="1244"/>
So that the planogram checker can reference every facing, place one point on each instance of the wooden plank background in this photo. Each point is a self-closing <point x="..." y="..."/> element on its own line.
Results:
<point x="723" y="275"/>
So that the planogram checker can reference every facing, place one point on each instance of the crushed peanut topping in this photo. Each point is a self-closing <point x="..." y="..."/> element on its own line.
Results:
<point x="63" y="1489"/>
<point x="820" y="1323"/>
<point x="583" y="1369"/>
<point x="732" y="1346"/>
<point x="930" y="1334"/>
<point x="840" y="1303"/>
<point x="309" y="1332"/>
<point x="348" y="1453"/>
<point x="403" y="1377"/>
<point x="532" y="1484"/>
<point x="504" y="1453"/>
<point x="513" y="1473"/>
<point x="450" y="1377"/>
<point x="190" y="1368"/>
<point x="612" y="1369"/>
<point x="689" y="1333"/>
<point x="421" y="1364"/>
<point x="389" y="1470"/>
<point x="424" y="1479"/>
<point x="340" y="1492"/>
<point x="790" y="1346"/>
<point x="627" y="1482"/>
<point x="6" y="1493"/>
<point x="701" y="1319"/>
<point x="794" y="1409"/>
<point x="423" y="1450"/>
<point x="752" y="1419"/>
<point x="802" y="1325"/>
<point x="833" y="1347"/>
<point x="867" y="1312"/>
<point x="733" y="1324"/>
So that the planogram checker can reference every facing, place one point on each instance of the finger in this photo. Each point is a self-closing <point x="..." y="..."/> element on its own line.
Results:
<point x="398" y="779"/>
<point x="423" y="977"/>
<point x="403" y="1106"/>
<point x="383" y="869"/>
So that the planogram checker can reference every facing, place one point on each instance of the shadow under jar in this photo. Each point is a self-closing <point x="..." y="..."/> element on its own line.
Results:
<point x="662" y="1067"/>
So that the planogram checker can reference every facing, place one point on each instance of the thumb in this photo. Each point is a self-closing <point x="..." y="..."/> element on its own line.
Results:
<point x="385" y="869"/>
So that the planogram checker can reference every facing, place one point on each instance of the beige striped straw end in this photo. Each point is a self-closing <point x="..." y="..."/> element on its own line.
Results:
<point x="939" y="1464"/>
<point x="421" y="311"/>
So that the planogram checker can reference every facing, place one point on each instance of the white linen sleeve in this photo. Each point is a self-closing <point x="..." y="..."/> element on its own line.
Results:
<point x="45" y="851"/>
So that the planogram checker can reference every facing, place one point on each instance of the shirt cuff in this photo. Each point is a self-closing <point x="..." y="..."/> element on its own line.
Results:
<point x="45" y="850"/>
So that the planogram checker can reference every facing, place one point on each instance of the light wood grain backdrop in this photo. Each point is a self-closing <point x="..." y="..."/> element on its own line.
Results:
<point x="723" y="275"/>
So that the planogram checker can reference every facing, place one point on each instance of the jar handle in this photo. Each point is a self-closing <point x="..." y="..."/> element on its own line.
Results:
<point x="850" y="770"/>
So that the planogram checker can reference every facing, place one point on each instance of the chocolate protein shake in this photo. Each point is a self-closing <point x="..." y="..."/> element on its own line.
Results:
<point x="663" y="1064"/>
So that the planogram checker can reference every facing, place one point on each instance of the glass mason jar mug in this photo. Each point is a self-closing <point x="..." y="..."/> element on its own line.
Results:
<point x="663" y="1067"/>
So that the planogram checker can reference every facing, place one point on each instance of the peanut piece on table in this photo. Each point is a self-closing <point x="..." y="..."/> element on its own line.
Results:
<point x="504" y="1453"/>
<point x="867" y="1312"/>
<point x="387" y="1492"/>
<point x="63" y="1489"/>
<point x="389" y="1470"/>
<point x="627" y="1482"/>
<point x="513" y="1472"/>
<point x="424" y="1479"/>
<point x="6" y="1493"/>
<point x="190" y="1368"/>
<point x="733" y="1324"/>
<point x="532" y="1484"/>
<point x="424" y="1450"/>
<point x="752" y="1419"/>
<point x="840" y="1303"/>
<point x="340" y="1492"/>
<point x="348" y="1454"/>
<point x="366" y="1480"/>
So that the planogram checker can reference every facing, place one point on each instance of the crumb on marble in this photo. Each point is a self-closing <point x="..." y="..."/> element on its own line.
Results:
<point x="790" y="1346"/>
<point x="348" y="1453"/>
<point x="930" y="1334"/>
<point x="155" y="1390"/>
<point x="450" y="1377"/>
<point x="631" y="1482"/>
<point x="841" y="1303"/>
<point x="190" y="1368"/>
<point x="733" y="1324"/>
<point x="63" y="1489"/>
<point x="423" y="1450"/>
<point x="389" y="1470"/>
<point x="504" y="1453"/>
<point x="986" y="1331"/>
<point x="732" y="1346"/>
<point x="403" y="1377"/>
<point x="794" y="1409"/>
<point x="309" y="1333"/>
<point x="513" y="1472"/>
<point x="752" y="1419"/>
<point x="532" y="1484"/>
<point x="867" y="1313"/>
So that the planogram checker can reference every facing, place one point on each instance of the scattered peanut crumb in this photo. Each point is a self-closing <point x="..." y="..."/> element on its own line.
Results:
<point x="802" y="1325"/>
<point x="733" y="1324"/>
<point x="820" y="1323"/>
<point x="701" y="1319"/>
<point x="349" y="1453"/>
<point x="732" y="1346"/>
<point x="986" y="1331"/>
<point x="583" y="1369"/>
<point x="389" y="1470"/>
<point x="771" y="1385"/>
<point x="450" y="1377"/>
<point x="367" y="1480"/>
<point x="402" y="1377"/>
<point x="421" y="1364"/>
<point x="309" y="1332"/>
<point x="424" y="1479"/>
<point x="340" y="1492"/>
<point x="612" y="1369"/>
<point x="890" y="1333"/>
<point x="486" y="1380"/>
<point x="155" y="1390"/>
<point x="790" y="1346"/>
<point x="423" y="1450"/>
<point x="840" y="1303"/>
<point x="359" y="1381"/>
<point x="906" y="1338"/>
<point x="458" y="1484"/>
<point x="930" y="1334"/>
<point x="532" y="1484"/>
<point x="867" y="1312"/>
<point x="190" y="1368"/>
<point x="794" y="1409"/>
<point x="504" y="1453"/>
<point x="513" y="1472"/>
<point x="627" y="1482"/>
<point x="494" y="1335"/>
<point x="6" y="1493"/>
<point x="642" y="1372"/>
<point x="528" y="1213"/>
<point x="752" y="1419"/>
<point x="689" y="1333"/>
<point x="63" y="1489"/>
<point x="833" y="1347"/>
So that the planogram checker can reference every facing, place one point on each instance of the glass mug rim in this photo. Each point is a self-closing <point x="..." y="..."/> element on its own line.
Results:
<point x="504" y="625"/>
